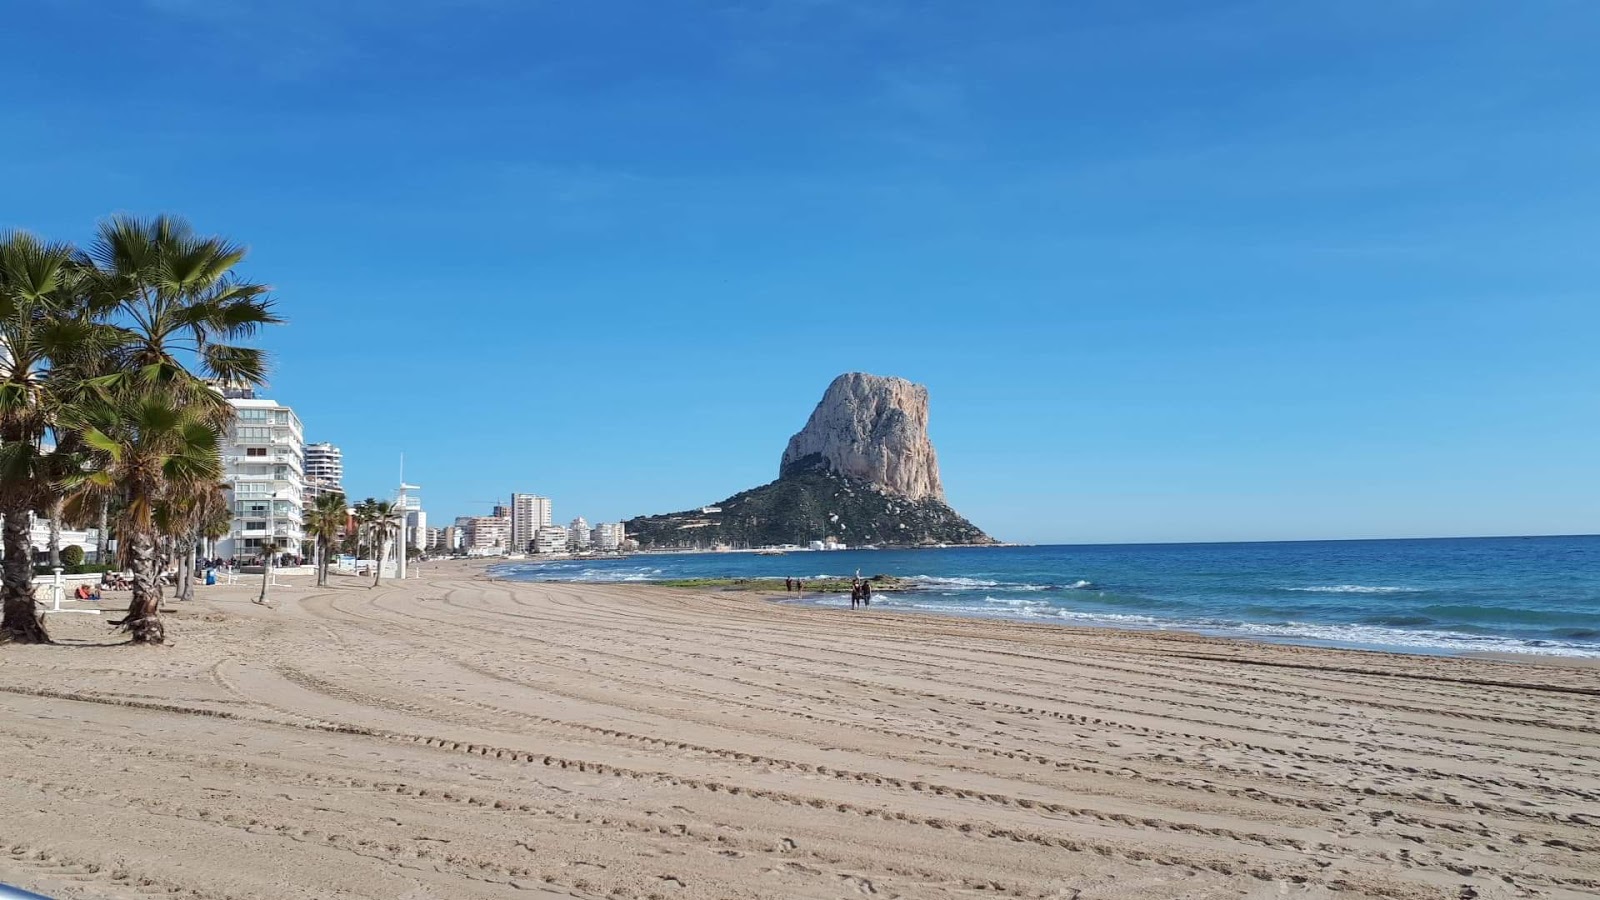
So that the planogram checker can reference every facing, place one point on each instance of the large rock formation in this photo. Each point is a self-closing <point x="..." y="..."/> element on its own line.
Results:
<point x="873" y="429"/>
<point x="862" y="471"/>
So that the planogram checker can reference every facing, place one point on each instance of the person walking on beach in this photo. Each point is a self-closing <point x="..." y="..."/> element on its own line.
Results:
<point x="855" y="593"/>
<point x="788" y="585"/>
<point x="866" y="593"/>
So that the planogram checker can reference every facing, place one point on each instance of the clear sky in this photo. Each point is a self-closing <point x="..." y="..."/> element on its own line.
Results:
<point x="1171" y="270"/>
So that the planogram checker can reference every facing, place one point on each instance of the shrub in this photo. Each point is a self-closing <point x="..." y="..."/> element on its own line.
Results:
<point x="71" y="555"/>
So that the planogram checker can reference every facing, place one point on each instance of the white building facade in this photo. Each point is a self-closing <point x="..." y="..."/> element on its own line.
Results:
<point x="324" y="469"/>
<point x="578" y="534"/>
<point x="529" y="513"/>
<point x="264" y="468"/>
<point x="609" y="536"/>
<point x="550" y="539"/>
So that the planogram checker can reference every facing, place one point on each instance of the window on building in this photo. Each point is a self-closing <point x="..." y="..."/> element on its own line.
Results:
<point x="255" y="451"/>
<point x="255" y="525"/>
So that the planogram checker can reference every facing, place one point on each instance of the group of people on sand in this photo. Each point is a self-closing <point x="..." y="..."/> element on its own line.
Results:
<point x="860" y="592"/>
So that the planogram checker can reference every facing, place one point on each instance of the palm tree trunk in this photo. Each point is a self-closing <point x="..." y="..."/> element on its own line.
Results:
<point x="143" y="620"/>
<point x="103" y="538"/>
<point x="55" y="533"/>
<point x="377" y="561"/>
<point x="22" y="623"/>
<point x="186" y="575"/>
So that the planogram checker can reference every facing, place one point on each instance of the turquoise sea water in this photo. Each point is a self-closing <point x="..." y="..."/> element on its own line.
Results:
<point x="1518" y="595"/>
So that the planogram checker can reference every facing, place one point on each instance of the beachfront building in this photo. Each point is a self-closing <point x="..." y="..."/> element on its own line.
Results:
<point x="417" y="527"/>
<point x="324" y="469"/>
<point x="450" y="538"/>
<point x="609" y="536"/>
<point x="529" y="513"/>
<point x="488" y="534"/>
<point x="264" y="469"/>
<point x="578" y="534"/>
<point x="550" y="539"/>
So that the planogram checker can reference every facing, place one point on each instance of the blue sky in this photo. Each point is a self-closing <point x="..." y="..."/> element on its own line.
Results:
<point x="1171" y="270"/>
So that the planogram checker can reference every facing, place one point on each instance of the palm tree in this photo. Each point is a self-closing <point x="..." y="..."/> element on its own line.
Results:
<point x="179" y="308"/>
<point x="157" y="446"/>
<point x="384" y="527"/>
<point x="41" y="335"/>
<point x="185" y="513"/>
<point x="328" y="516"/>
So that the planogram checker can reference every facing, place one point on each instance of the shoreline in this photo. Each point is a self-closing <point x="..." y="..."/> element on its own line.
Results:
<point x="463" y="736"/>
<point x="757" y="586"/>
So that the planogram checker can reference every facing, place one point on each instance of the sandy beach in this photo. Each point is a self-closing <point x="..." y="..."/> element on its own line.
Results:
<point x="457" y="737"/>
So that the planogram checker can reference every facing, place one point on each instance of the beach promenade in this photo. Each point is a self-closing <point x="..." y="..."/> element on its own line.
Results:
<point x="457" y="737"/>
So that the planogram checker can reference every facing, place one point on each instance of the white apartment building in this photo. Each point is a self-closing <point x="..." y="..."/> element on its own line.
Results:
<point x="488" y="534"/>
<point x="417" y="529"/>
<point x="550" y="539"/>
<point x="529" y="513"/>
<point x="609" y="536"/>
<point x="324" y="469"/>
<point x="263" y="466"/>
<point x="578" y="534"/>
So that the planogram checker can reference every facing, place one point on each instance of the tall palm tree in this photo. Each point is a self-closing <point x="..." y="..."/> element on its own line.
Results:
<point x="180" y="310"/>
<point x="327" y="517"/>
<point x="157" y="446"/>
<point x="42" y="334"/>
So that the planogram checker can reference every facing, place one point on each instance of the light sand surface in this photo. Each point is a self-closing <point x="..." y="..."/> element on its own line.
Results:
<point x="462" y="738"/>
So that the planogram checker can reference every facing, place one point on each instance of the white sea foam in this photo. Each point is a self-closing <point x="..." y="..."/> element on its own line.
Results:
<point x="1401" y="638"/>
<point x="953" y="581"/>
<point x="1350" y="635"/>
<point x="1016" y="601"/>
<point x="1355" y="589"/>
<point x="959" y="583"/>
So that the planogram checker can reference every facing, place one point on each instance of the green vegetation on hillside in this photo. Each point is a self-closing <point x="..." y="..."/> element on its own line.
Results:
<point x="809" y="506"/>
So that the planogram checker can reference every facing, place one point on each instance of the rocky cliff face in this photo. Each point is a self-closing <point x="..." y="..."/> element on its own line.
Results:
<point x="862" y="472"/>
<point x="872" y="429"/>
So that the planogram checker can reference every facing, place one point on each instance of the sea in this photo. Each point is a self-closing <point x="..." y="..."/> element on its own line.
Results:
<point x="1528" y="595"/>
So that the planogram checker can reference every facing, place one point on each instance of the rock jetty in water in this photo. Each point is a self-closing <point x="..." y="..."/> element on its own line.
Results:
<point x="862" y="471"/>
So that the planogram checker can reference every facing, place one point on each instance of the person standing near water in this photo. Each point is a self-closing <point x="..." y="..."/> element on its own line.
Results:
<point x="866" y="593"/>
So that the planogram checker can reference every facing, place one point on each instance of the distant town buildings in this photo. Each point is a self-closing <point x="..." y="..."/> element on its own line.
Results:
<point x="609" y="536"/>
<point x="488" y="534"/>
<point x="526" y="526"/>
<point x="529" y="513"/>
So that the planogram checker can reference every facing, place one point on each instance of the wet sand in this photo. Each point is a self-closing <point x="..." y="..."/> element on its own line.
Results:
<point x="457" y="737"/>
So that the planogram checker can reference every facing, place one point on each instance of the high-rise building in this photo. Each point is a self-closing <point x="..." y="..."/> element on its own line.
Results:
<point x="264" y="468"/>
<point x="488" y="534"/>
<point x="417" y="529"/>
<point x="578" y="534"/>
<point x="550" y="539"/>
<point x="324" y="469"/>
<point x="529" y="513"/>
<point x="609" y="536"/>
